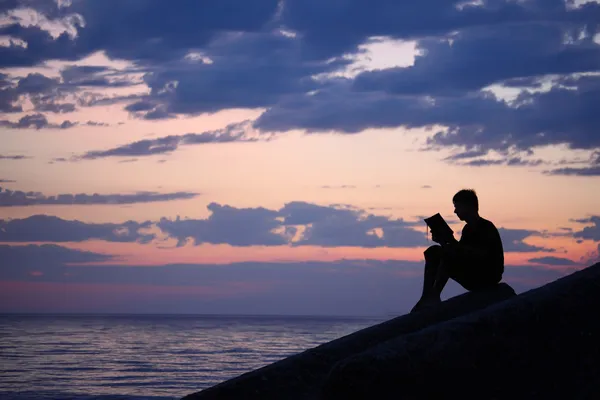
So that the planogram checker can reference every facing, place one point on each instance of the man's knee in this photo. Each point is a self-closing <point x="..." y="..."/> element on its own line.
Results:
<point x="433" y="253"/>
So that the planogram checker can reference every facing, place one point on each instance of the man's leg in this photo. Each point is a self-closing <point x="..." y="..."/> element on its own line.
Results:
<point x="433" y="259"/>
<point x="474" y="274"/>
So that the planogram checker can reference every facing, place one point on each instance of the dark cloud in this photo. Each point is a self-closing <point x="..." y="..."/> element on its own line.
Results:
<point x="331" y="29"/>
<point x="552" y="261"/>
<point x="36" y="83"/>
<point x="122" y="28"/>
<point x="202" y="57"/>
<point x="481" y="162"/>
<point x="585" y="171"/>
<point x="47" y="262"/>
<point x="59" y="95"/>
<point x="7" y="181"/>
<point x="296" y="223"/>
<point x="55" y="108"/>
<point x="327" y="226"/>
<point x="467" y="154"/>
<point x="250" y="71"/>
<point x="95" y="123"/>
<point x="235" y="226"/>
<point x="236" y="132"/>
<point x="8" y="95"/>
<point x="16" y="157"/>
<point x="476" y="121"/>
<point x="45" y="228"/>
<point x="36" y="121"/>
<point x="21" y="259"/>
<point x="347" y="287"/>
<point x="301" y="224"/>
<point x="91" y="99"/>
<point x="9" y="198"/>
<point x="331" y="226"/>
<point x="480" y="56"/>
<point x="513" y="240"/>
<point x="589" y="232"/>
<point x="149" y="31"/>
<point x="91" y="76"/>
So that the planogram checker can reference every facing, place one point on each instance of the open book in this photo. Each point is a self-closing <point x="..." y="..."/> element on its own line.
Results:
<point x="438" y="226"/>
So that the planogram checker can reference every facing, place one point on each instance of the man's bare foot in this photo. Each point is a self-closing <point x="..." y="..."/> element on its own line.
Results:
<point x="426" y="302"/>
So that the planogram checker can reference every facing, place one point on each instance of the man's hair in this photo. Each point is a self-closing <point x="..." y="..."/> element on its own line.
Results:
<point x="468" y="197"/>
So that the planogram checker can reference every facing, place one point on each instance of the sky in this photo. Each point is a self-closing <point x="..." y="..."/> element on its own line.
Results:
<point x="279" y="156"/>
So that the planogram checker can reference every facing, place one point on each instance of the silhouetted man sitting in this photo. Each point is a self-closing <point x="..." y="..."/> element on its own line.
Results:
<point x="476" y="261"/>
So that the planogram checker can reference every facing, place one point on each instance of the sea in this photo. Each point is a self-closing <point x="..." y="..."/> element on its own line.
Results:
<point x="148" y="357"/>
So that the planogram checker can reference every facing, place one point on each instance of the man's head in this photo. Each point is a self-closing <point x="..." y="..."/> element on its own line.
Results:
<point x="466" y="204"/>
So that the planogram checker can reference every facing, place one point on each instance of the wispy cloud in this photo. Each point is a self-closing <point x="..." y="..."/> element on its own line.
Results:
<point x="45" y="228"/>
<point x="9" y="198"/>
<point x="36" y="121"/>
<point x="552" y="261"/>
<point x="338" y="187"/>
<point x="586" y="171"/>
<point x="237" y="132"/>
<point x="15" y="157"/>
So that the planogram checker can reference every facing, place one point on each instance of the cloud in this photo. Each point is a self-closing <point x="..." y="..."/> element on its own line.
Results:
<point x="482" y="162"/>
<point x="333" y="29"/>
<point x="453" y="65"/>
<point x="7" y="180"/>
<point x="16" y="157"/>
<point x="478" y="120"/>
<point x="250" y="71"/>
<point x="235" y="226"/>
<point x="36" y="121"/>
<point x="9" y="198"/>
<point x="8" y="96"/>
<point x="99" y="26"/>
<point x="586" y="171"/>
<point x="45" y="228"/>
<point x="18" y="259"/>
<point x="246" y="60"/>
<point x="296" y="223"/>
<point x="338" y="187"/>
<point x="552" y="261"/>
<point x="236" y="132"/>
<point x="513" y="240"/>
<point x="345" y="287"/>
<point x="589" y="232"/>
<point x="62" y="94"/>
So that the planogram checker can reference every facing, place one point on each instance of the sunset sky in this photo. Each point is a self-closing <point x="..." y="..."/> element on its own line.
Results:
<point x="278" y="157"/>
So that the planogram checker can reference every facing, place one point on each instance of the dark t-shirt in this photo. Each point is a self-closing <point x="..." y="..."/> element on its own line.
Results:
<point x="484" y="235"/>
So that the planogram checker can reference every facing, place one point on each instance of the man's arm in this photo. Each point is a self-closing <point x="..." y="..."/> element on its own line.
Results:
<point x="454" y="245"/>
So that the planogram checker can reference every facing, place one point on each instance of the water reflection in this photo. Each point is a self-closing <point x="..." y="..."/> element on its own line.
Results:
<point x="149" y="355"/>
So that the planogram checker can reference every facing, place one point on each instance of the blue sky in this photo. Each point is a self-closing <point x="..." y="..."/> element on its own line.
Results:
<point x="279" y="156"/>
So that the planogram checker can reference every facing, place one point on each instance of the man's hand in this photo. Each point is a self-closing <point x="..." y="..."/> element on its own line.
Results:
<point x="448" y="240"/>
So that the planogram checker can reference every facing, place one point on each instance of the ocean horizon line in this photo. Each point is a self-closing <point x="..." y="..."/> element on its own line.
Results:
<point x="215" y="315"/>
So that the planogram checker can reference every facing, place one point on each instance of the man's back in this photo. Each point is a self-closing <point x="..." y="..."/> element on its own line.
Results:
<point x="484" y="235"/>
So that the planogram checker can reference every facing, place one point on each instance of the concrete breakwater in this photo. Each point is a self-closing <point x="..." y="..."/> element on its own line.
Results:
<point x="301" y="376"/>
<point x="544" y="343"/>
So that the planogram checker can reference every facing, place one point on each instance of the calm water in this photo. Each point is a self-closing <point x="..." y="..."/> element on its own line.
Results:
<point x="147" y="357"/>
